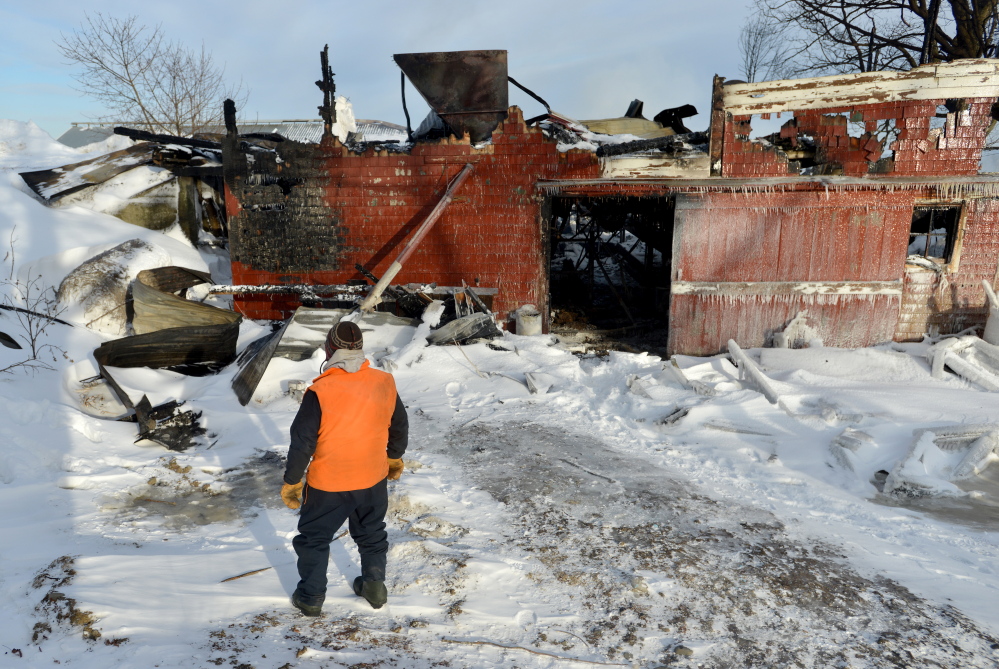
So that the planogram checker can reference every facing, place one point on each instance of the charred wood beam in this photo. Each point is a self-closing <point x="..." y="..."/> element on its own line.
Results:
<point x="290" y="289"/>
<point x="196" y="172"/>
<point x="673" y="118"/>
<point x="476" y="299"/>
<point x="657" y="144"/>
<point x="229" y="114"/>
<point x="391" y="291"/>
<point x="327" y="110"/>
<point x="143" y="136"/>
<point x="716" y="129"/>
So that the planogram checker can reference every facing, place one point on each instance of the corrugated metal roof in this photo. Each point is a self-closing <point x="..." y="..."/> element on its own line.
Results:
<point x="80" y="135"/>
<point x="306" y="131"/>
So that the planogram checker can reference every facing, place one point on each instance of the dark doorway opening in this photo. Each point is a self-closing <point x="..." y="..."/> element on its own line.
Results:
<point x="610" y="265"/>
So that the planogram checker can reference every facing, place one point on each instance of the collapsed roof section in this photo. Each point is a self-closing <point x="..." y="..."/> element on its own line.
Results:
<point x="930" y="120"/>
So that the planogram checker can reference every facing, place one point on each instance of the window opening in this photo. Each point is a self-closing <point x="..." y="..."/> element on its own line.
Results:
<point x="934" y="231"/>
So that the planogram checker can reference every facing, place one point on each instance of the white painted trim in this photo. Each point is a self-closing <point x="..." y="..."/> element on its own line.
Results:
<point x="969" y="78"/>
<point x="742" y="289"/>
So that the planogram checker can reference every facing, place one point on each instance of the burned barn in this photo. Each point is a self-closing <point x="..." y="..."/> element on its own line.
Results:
<point x="864" y="214"/>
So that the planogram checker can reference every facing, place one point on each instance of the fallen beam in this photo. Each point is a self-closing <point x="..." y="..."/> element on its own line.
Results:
<point x="289" y="289"/>
<point x="143" y="136"/>
<point x="375" y="295"/>
<point x="752" y="373"/>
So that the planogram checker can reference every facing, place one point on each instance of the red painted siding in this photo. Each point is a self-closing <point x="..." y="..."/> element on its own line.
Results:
<point x="780" y="239"/>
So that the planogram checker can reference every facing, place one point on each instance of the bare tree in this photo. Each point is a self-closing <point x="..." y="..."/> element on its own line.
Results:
<point x="761" y="51"/>
<point x="33" y="307"/>
<point x="830" y="36"/>
<point x="141" y="78"/>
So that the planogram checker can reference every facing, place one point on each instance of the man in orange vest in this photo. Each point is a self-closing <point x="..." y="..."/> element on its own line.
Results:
<point x="350" y="432"/>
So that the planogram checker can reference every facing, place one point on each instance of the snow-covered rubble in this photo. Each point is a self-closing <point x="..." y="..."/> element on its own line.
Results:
<point x="631" y="510"/>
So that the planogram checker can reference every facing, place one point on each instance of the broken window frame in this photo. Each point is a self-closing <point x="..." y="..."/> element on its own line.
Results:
<point x="952" y="237"/>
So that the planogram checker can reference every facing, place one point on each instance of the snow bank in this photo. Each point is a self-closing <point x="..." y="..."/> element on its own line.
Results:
<point x="25" y="147"/>
<point x="94" y="293"/>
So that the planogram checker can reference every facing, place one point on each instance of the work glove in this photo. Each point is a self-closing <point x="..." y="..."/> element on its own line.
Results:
<point x="291" y="494"/>
<point x="395" y="469"/>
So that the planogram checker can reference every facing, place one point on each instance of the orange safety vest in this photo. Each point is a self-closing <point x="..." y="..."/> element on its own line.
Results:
<point x="357" y="409"/>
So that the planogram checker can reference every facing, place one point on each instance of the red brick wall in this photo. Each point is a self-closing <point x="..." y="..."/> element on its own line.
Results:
<point x="954" y="300"/>
<point x="955" y="149"/>
<point x="492" y="234"/>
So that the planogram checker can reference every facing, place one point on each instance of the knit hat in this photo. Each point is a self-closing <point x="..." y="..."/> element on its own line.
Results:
<point x="343" y="335"/>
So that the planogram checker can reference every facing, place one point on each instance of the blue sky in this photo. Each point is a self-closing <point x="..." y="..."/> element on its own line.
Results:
<point x="587" y="58"/>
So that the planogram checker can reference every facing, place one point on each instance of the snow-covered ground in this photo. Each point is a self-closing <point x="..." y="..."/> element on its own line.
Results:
<point x="619" y="518"/>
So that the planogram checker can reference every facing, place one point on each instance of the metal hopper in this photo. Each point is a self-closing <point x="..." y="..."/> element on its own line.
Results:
<point x="468" y="89"/>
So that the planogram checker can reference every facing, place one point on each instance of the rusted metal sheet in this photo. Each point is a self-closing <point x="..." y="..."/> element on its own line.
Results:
<point x="468" y="89"/>
<point x="971" y="78"/>
<point x="155" y="308"/>
<point x="171" y="279"/>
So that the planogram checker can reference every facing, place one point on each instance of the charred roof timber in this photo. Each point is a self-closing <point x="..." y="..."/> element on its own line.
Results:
<point x="467" y="89"/>
<point x="327" y="110"/>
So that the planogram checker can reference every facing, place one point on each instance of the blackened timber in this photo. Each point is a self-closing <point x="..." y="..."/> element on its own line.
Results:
<point x="229" y="114"/>
<point x="476" y="299"/>
<point x="670" y="142"/>
<point x="143" y="136"/>
<point x="327" y="110"/>
<point x="673" y="118"/>
<point x="289" y="289"/>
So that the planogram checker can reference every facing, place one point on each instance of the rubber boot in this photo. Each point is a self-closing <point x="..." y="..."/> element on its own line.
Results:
<point x="373" y="591"/>
<point x="311" y="610"/>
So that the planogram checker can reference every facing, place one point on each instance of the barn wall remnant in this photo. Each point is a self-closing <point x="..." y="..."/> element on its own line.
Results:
<point x="308" y="214"/>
